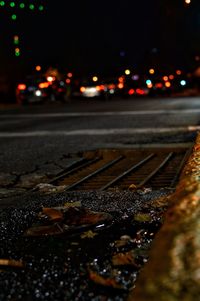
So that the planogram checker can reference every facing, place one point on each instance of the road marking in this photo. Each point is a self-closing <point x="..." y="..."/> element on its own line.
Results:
<point x="100" y="132"/>
<point x="86" y="114"/>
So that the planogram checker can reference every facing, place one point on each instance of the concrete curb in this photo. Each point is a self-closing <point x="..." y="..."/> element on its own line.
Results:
<point x="173" y="270"/>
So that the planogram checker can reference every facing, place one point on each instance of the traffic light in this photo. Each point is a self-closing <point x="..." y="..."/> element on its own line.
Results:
<point x="17" y="51"/>
<point x="16" y="45"/>
<point x="16" y="40"/>
<point x="16" y="9"/>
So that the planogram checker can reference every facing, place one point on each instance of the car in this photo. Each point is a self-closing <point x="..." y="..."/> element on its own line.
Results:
<point x="32" y="90"/>
<point x="91" y="89"/>
<point x="39" y="90"/>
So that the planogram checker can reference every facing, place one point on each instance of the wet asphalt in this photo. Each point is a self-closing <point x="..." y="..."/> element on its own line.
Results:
<point x="37" y="143"/>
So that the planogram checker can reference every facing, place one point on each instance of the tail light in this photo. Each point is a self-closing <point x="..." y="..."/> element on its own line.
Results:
<point x="61" y="90"/>
<point x="159" y="85"/>
<point x="21" y="87"/>
<point x="120" y="85"/>
<point x="111" y="86"/>
<point x="82" y="89"/>
<point x="100" y="88"/>
<point x="131" y="91"/>
<point x="43" y="85"/>
<point x="140" y="91"/>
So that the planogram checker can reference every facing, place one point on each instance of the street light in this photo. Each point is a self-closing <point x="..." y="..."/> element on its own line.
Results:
<point x="127" y="72"/>
<point x="151" y="71"/>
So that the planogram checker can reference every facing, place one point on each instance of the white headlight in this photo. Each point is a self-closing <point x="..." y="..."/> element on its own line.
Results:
<point x="38" y="93"/>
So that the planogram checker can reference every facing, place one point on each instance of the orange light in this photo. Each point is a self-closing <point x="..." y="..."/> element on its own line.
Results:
<point x="151" y="71"/>
<point x="165" y="78"/>
<point x="121" y="79"/>
<point x="21" y="87"/>
<point x="131" y="91"/>
<point x="100" y="88"/>
<point x="178" y="72"/>
<point x="120" y="86"/>
<point x="68" y="81"/>
<point x="150" y="86"/>
<point x="38" y="68"/>
<point x="44" y="85"/>
<point x="171" y="76"/>
<point x="167" y="84"/>
<point x="82" y="89"/>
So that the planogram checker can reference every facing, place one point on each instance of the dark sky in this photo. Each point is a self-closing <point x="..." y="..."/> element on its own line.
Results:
<point x="102" y="36"/>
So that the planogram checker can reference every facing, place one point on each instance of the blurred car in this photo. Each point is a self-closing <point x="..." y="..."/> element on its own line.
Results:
<point x="39" y="90"/>
<point x="57" y="90"/>
<point x="90" y="89"/>
<point x="32" y="90"/>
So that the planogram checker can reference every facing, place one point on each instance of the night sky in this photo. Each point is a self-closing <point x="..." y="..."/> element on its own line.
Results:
<point x="102" y="36"/>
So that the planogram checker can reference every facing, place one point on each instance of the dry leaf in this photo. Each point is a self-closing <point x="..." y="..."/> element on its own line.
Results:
<point x="104" y="281"/>
<point x="88" y="234"/>
<point x="127" y="258"/>
<point x="53" y="214"/>
<point x="44" y="230"/>
<point x="142" y="217"/>
<point x="72" y="204"/>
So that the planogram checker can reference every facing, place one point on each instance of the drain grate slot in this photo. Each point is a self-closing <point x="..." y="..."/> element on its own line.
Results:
<point x="125" y="173"/>
<point x="155" y="171"/>
<point x="109" y="164"/>
<point x="119" y="168"/>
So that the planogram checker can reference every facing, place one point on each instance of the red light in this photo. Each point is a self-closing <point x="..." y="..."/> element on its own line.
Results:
<point x="131" y="91"/>
<point x="100" y="88"/>
<point x="21" y="87"/>
<point x="158" y="85"/>
<point x="111" y="86"/>
<point x="140" y="91"/>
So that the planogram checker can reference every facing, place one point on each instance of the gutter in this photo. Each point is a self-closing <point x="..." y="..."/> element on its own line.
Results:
<point x="173" y="270"/>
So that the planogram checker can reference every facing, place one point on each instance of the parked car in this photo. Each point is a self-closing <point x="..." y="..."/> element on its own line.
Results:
<point x="32" y="90"/>
<point x="39" y="90"/>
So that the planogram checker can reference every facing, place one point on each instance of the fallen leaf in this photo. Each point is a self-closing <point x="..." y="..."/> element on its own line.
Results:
<point x="132" y="187"/>
<point x="52" y="214"/>
<point x="88" y="234"/>
<point x="111" y="282"/>
<point x="142" y="217"/>
<point x="127" y="258"/>
<point x="44" y="230"/>
<point x="72" y="204"/>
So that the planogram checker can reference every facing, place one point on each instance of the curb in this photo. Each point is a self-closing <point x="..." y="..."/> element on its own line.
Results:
<point x="173" y="270"/>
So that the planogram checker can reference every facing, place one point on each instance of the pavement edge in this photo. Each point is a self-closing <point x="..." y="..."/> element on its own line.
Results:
<point x="173" y="270"/>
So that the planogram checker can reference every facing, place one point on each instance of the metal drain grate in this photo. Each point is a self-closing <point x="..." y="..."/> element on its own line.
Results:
<point x="119" y="168"/>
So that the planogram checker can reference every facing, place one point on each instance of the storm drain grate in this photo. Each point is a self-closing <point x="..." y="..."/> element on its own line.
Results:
<point x="119" y="168"/>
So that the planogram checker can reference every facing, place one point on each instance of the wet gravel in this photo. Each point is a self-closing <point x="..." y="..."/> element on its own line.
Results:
<point x="78" y="266"/>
